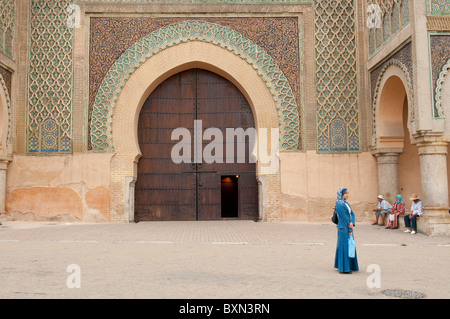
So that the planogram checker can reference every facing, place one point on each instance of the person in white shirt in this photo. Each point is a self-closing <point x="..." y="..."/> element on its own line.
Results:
<point x="416" y="211"/>
<point x="383" y="208"/>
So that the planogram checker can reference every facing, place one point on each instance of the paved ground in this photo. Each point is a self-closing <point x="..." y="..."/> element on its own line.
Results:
<point x="219" y="259"/>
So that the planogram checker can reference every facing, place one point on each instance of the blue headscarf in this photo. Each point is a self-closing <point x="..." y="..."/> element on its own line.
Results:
<point x="400" y="199"/>
<point x="340" y="194"/>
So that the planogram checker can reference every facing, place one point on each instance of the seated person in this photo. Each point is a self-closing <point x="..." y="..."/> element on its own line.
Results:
<point x="397" y="209"/>
<point x="416" y="211"/>
<point x="383" y="208"/>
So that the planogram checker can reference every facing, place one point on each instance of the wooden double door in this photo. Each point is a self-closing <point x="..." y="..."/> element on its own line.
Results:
<point x="199" y="187"/>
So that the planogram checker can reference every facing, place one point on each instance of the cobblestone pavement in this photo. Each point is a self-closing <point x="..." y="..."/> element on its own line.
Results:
<point x="214" y="259"/>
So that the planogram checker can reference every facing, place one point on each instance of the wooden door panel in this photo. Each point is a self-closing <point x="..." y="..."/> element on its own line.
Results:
<point x="165" y="190"/>
<point x="188" y="191"/>
<point x="209" y="203"/>
<point x="221" y="105"/>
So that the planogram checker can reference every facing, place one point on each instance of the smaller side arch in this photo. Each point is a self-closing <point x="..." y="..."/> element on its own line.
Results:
<point x="394" y="72"/>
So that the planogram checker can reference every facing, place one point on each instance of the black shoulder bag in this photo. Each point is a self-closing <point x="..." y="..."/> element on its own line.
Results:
<point x="335" y="218"/>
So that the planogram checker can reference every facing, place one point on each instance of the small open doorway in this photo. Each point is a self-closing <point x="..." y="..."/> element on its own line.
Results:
<point x="229" y="186"/>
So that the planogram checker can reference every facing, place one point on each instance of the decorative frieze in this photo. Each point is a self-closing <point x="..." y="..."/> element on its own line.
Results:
<point x="438" y="23"/>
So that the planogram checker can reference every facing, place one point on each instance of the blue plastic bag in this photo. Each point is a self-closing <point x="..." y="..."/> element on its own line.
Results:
<point x="351" y="247"/>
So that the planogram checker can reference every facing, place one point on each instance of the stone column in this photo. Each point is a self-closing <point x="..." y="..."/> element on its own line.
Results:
<point x="3" y="168"/>
<point x="435" y="220"/>
<point x="387" y="159"/>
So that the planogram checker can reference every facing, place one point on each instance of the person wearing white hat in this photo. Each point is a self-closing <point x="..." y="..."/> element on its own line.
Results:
<point x="416" y="211"/>
<point x="383" y="208"/>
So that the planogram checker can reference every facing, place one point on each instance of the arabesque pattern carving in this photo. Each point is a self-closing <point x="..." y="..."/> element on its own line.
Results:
<point x="336" y="76"/>
<point x="138" y="53"/>
<point x="50" y="77"/>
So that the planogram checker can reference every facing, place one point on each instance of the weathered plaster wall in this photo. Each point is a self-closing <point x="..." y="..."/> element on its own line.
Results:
<point x="72" y="187"/>
<point x="309" y="182"/>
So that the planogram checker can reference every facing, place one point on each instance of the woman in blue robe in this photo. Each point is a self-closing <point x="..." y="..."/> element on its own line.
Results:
<point x="345" y="225"/>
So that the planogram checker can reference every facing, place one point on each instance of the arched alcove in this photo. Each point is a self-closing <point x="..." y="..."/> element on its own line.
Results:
<point x="392" y="98"/>
<point x="140" y="84"/>
<point x="393" y="119"/>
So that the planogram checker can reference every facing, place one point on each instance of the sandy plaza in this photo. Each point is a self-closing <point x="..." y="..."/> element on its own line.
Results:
<point x="215" y="259"/>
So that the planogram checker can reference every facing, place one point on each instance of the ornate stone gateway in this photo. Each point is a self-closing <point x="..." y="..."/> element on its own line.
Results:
<point x="354" y="90"/>
<point x="194" y="189"/>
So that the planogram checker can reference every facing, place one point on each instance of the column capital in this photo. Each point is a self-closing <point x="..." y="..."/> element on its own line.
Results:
<point x="386" y="151"/>
<point x="431" y="145"/>
<point x="4" y="163"/>
<point x="387" y="155"/>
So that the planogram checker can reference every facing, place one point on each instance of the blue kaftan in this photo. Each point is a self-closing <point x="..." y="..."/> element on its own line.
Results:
<point x="342" y="262"/>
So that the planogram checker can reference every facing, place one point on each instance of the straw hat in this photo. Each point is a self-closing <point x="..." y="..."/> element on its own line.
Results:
<point x="380" y="196"/>
<point x="414" y="197"/>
